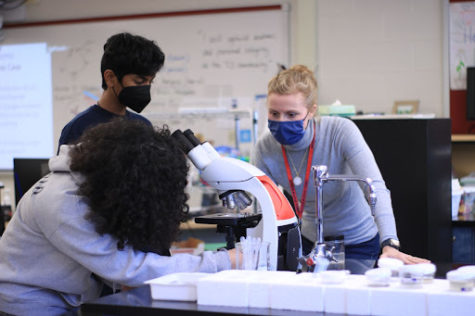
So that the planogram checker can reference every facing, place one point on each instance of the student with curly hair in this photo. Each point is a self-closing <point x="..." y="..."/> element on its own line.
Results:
<point x="128" y="66"/>
<point x="107" y="213"/>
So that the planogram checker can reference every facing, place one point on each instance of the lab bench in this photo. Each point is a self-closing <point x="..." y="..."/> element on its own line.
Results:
<point x="139" y="302"/>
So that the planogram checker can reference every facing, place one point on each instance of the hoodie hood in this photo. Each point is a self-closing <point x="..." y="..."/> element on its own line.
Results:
<point x="62" y="162"/>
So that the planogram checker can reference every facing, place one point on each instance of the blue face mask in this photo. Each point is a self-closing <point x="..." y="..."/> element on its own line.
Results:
<point x="287" y="132"/>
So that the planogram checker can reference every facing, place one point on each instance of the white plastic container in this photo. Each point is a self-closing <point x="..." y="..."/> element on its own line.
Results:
<point x="333" y="276"/>
<point x="449" y="302"/>
<point x="176" y="286"/>
<point x="392" y="264"/>
<point x="468" y="270"/>
<point x="260" y="286"/>
<point x="460" y="281"/>
<point x="225" y="288"/>
<point x="414" y="275"/>
<point x="397" y="300"/>
<point x="378" y="277"/>
<point x="302" y="292"/>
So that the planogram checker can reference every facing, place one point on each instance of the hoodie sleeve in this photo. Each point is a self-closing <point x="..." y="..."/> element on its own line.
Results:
<point x="77" y="238"/>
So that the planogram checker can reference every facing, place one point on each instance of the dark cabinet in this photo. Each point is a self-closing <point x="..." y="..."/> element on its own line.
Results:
<point x="463" y="247"/>
<point x="414" y="156"/>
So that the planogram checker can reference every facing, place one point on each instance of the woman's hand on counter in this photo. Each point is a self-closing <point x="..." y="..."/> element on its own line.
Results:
<point x="390" y="252"/>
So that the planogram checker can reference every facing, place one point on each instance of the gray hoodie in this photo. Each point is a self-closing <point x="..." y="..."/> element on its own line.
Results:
<point x="50" y="251"/>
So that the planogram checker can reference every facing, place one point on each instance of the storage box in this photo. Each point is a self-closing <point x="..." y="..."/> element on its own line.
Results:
<point x="226" y="288"/>
<point x="469" y="200"/>
<point x="176" y="286"/>
<point x="191" y="246"/>
<point x="457" y="192"/>
<point x="336" y="110"/>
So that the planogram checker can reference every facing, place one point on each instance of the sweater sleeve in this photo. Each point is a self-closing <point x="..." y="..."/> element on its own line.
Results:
<point x="361" y="161"/>
<point x="78" y="239"/>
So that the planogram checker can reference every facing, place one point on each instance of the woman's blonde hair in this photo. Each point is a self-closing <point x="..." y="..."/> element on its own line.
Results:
<point x="298" y="78"/>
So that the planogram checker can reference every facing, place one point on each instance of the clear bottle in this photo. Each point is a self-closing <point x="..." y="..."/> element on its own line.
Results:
<point x="336" y="245"/>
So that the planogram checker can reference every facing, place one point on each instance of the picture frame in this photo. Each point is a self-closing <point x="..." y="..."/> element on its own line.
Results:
<point x="406" y="107"/>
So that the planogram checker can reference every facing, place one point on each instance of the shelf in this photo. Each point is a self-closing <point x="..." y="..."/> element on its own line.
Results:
<point x="419" y="116"/>
<point x="463" y="138"/>
<point x="464" y="220"/>
<point x="187" y="113"/>
<point x="210" y="112"/>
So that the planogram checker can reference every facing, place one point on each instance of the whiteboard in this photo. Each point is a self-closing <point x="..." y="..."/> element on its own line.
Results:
<point x="462" y="42"/>
<point x="26" y="113"/>
<point x="213" y="61"/>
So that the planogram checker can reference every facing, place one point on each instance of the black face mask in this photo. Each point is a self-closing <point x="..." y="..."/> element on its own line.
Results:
<point x="135" y="97"/>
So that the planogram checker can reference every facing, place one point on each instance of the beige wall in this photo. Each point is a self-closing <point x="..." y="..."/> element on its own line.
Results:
<point x="372" y="53"/>
<point x="366" y="52"/>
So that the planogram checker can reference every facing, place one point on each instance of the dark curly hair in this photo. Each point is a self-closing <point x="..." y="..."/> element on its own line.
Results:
<point x="125" y="54"/>
<point x="135" y="176"/>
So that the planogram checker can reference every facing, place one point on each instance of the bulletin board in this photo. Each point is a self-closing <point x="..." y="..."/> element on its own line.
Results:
<point x="215" y="59"/>
<point x="461" y="55"/>
<point x="462" y="42"/>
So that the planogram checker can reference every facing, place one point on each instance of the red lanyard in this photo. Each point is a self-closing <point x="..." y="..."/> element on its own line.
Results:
<point x="299" y="207"/>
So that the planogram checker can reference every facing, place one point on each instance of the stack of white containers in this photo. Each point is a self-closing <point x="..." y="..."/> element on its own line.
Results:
<point x="337" y="292"/>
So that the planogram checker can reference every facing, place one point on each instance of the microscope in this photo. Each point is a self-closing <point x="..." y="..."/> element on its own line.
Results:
<point x="276" y="223"/>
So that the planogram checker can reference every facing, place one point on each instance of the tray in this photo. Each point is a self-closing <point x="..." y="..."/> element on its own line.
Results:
<point x="179" y="286"/>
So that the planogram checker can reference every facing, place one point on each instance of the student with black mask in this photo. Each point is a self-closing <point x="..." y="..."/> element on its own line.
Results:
<point x="128" y="66"/>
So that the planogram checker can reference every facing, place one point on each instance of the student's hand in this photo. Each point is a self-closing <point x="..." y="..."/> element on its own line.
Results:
<point x="390" y="252"/>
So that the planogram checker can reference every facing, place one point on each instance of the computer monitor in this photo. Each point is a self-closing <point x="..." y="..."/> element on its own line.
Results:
<point x="26" y="172"/>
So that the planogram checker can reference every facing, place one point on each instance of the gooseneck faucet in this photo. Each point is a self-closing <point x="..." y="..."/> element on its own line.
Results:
<point x="320" y="257"/>
<point x="320" y="176"/>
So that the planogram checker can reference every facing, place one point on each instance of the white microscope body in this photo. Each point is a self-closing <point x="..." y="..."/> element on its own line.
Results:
<point x="278" y="218"/>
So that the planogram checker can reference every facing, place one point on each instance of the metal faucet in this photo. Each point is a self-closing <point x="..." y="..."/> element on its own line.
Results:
<point x="320" y="257"/>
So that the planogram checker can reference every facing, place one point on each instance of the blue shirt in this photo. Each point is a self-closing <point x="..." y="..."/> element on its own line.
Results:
<point x="90" y="117"/>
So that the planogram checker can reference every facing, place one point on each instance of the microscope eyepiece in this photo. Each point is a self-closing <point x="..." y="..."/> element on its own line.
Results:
<point x="191" y="137"/>
<point x="183" y="141"/>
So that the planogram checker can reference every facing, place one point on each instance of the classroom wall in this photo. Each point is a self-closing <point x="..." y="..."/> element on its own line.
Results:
<point x="365" y="52"/>
<point x="372" y="53"/>
<point x="369" y="53"/>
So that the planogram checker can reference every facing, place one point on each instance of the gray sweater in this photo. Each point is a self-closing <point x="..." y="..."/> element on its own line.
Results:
<point x="340" y="146"/>
<point x="49" y="251"/>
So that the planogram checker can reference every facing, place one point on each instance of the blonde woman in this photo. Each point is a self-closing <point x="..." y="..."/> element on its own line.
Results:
<point x="297" y="140"/>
